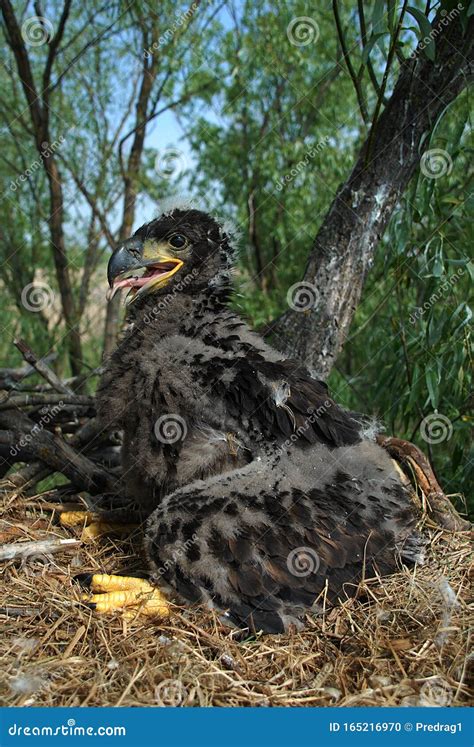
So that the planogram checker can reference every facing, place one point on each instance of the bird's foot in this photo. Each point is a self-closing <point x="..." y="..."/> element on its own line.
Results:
<point x="132" y="595"/>
<point x="93" y="525"/>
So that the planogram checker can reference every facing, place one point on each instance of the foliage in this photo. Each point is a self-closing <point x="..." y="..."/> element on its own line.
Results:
<point x="411" y="333"/>
<point x="414" y="364"/>
<point x="273" y="127"/>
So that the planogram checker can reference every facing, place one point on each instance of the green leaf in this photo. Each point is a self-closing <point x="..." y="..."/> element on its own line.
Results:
<point x="431" y="379"/>
<point x="438" y="267"/>
<point x="426" y="32"/>
<point x="378" y="15"/>
<point x="368" y="47"/>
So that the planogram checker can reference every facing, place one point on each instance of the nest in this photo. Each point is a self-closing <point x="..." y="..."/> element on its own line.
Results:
<point x="403" y="640"/>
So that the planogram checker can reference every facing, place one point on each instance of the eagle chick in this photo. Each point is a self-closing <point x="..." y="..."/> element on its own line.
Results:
<point x="263" y="495"/>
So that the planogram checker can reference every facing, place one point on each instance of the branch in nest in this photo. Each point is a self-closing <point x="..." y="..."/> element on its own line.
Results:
<point x="41" y="445"/>
<point x="42" y="368"/>
<point x="28" y="400"/>
<point x="438" y="505"/>
<point x="25" y="550"/>
<point x="9" y="377"/>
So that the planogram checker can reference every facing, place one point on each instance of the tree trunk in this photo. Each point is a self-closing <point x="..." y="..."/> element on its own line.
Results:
<point x="344" y="247"/>
<point x="60" y="260"/>
<point x="112" y="316"/>
<point x="38" y="106"/>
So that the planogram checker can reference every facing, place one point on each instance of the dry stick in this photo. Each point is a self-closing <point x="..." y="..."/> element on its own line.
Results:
<point x="19" y="611"/>
<point x="41" y="367"/>
<point x="34" y="472"/>
<point x="53" y="451"/>
<point x="26" y="550"/>
<point x="8" y="376"/>
<point x="28" y="400"/>
<point x="440" y="508"/>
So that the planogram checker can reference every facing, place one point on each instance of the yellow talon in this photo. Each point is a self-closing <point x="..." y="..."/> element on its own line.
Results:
<point x="99" y="528"/>
<point x="77" y="518"/>
<point x="135" y="595"/>
<point x="103" y="582"/>
<point x="93" y="525"/>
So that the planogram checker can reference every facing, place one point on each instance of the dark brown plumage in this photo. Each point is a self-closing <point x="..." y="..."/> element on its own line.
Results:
<point x="263" y="494"/>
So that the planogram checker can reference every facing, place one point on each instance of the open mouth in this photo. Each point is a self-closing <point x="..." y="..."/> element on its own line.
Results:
<point x="141" y="279"/>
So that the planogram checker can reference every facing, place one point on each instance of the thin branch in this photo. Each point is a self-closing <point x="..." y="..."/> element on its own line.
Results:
<point x="76" y="57"/>
<point x="91" y="200"/>
<point x="28" y="400"/>
<point x="151" y="117"/>
<point x="363" y="33"/>
<point x="438" y="505"/>
<point x="25" y="550"/>
<point x="388" y="66"/>
<point x="52" y="50"/>
<point x="39" y="444"/>
<point x="18" y="374"/>
<point x="42" y="368"/>
<point x="350" y="68"/>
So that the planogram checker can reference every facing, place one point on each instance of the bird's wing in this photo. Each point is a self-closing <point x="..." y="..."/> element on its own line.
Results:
<point x="265" y="554"/>
<point x="283" y="401"/>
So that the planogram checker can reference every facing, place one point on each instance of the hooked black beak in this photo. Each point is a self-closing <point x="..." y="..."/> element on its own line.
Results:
<point x="126" y="256"/>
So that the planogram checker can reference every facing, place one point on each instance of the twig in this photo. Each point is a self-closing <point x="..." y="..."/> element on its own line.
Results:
<point x="19" y="611"/>
<point x="27" y="400"/>
<point x="381" y="95"/>
<point x="347" y="58"/>
<point x="9" y="376"/>
<point x="43" y="547"/>
<point x="31" y="473"/>
<point x="42" y="445"/>
<point x="41" y="367"/>
<point x="439" y="506"/>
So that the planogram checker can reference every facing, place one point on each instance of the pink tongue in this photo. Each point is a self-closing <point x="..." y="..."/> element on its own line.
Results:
<point x="138" y="282"/>
<point x="132" y="282"/>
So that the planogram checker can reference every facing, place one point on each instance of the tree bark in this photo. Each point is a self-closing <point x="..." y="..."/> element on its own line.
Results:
<point x="38" y="105"/>
<point x="344" y="247"/>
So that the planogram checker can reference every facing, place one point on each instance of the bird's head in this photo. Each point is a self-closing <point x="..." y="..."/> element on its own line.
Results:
<point x="184" y="248"/>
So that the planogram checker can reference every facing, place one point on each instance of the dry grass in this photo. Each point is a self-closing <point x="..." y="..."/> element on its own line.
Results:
<point x="403" y="641"/>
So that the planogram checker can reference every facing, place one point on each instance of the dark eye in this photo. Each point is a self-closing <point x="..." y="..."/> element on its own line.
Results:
<point x="178" y="241"/>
